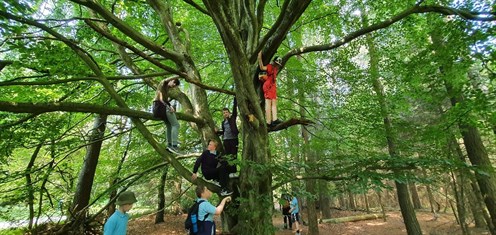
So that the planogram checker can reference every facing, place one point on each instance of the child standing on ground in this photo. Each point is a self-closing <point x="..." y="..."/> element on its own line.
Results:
<point x="207" y="210"/>
<point x="117" y="223"/>
<point x="295" y="213"/>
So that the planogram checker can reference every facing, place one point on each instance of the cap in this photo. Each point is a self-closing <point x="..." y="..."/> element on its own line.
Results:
<point x="126" y="197"/>
<point x="278" y="60"/>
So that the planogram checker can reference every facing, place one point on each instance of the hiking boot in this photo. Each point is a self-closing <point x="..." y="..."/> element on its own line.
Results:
<point x="298" y="232"/>
<point x="225" y="192"/>
<point x="233" y="175"/>
<point x="285" y="226"/>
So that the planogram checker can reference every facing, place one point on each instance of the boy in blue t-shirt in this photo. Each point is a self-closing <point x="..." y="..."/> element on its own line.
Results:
<point x="206" y="207"/>
<point x="117" y="223"/>
<point x="295" y="215"/>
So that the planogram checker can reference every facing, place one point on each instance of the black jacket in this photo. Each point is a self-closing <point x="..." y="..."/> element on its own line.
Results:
<point x="232" y="120"/>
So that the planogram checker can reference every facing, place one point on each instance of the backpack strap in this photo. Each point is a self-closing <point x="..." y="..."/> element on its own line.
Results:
<point x="200" y="202"/>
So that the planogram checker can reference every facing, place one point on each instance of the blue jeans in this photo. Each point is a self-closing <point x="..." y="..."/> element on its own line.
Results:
<point x="172" y="128"/>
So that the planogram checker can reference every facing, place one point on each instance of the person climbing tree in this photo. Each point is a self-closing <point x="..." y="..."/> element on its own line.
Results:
<point x="161" y="105"/>
<point x="230" y="133"/>
<point x="270" y="89"/>
<point x="212" y="169"/>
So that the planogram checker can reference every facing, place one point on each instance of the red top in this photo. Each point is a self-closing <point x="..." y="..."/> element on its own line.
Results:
<point x="269" y="86"/>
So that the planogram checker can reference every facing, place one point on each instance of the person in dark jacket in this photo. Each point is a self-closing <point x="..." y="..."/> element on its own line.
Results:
<point x="212" y="169"/>
<point x="230" y="133"/>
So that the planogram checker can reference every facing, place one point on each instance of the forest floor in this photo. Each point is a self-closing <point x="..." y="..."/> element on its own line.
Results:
<point x="445" y="224"/>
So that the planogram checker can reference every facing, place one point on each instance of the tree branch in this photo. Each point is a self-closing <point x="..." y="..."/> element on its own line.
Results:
<point x="476" y="16"/>
<point x="290" y="122"/>
<point x="38" y="108"/>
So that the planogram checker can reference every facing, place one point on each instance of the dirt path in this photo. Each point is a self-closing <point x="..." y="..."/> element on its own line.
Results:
<point x="444" y="225"/>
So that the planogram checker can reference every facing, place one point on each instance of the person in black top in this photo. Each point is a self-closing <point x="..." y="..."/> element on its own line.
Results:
<point x="230" y="137"/>
<point x="212" y="169"/>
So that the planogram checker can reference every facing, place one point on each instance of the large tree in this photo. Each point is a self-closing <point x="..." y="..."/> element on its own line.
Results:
<point x="108" y="46"/>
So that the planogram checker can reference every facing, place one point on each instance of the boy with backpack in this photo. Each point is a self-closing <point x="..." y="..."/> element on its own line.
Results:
<point x="200" y="220"/>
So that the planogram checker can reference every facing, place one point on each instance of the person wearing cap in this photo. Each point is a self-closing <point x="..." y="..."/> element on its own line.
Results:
<point x="117" y="223"/>
<point x="270" y="89"/>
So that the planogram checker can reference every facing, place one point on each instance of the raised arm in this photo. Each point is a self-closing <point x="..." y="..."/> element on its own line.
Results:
<point x="260" y="62"/>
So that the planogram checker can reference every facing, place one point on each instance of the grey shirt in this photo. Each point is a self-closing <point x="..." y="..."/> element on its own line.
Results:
<point x="228" y="135"/>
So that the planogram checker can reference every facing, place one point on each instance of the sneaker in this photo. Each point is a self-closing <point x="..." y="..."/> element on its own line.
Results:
<point x="215" y="182"/>
<point x="225" y="192"/>
<point x="233" y="175"/>
<point x="173" y="149"/>
<point x="298" y="232"/>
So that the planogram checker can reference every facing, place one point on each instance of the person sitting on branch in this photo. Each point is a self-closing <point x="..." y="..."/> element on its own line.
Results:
<point x="212" y="169"/>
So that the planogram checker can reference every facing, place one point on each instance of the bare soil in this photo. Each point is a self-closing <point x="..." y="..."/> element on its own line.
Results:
<point x="445" y="224"/>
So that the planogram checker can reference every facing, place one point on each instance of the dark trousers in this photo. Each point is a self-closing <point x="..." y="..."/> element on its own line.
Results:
<point x="208" y="228"/>
<point x="231" y="151"/>
<point x="220" y="174"/>
<point x="287" y="220"/>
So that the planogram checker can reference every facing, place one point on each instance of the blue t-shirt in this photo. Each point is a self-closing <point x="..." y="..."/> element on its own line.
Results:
<point x="116" y="224"/>
<point x="204" y="208"/>
<point x="294" y="204"/>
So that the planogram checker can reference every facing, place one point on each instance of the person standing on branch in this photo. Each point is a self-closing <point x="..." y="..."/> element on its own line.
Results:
<point x="270" y="89"/>
<point x="212" y="169"/>
<point x="162" y="99"/>
<point x="230" y="137"/>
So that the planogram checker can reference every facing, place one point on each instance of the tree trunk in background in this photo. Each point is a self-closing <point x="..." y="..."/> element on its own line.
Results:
<point x="383" y="210"/>
<point x="351" y="200"/>
<point x="415" y="196"/>
<point x="474" y="146"/>
<point x="159" y="216"/>
<point x="459" y="182"/>
<point x="475" y="202"/>
<point x="325" y="201"/>
<point x="29" y="185"/>
<point x="311" y="185"/>
<point x="407" y="211"/>
<point x="366" y="200"/>
<point x="432" y="201"/>
<point x="87" y="173"/>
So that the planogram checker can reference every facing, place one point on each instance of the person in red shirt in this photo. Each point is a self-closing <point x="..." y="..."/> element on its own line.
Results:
<point x="270" y="89"/>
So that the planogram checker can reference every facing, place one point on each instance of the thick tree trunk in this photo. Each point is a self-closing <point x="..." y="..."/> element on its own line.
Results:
<point x="87" y="173"/>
